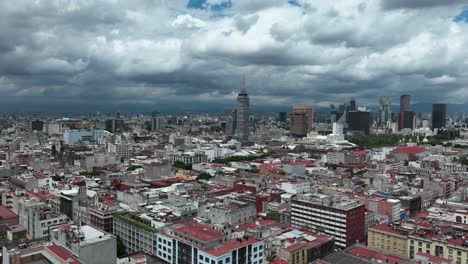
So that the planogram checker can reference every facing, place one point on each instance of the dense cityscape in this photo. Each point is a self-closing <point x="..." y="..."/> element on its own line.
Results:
<point x="234" y="132"/>
<point x="360" y="187"/>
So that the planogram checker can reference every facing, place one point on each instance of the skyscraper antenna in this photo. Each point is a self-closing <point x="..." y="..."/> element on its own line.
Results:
<point x="243" y="81"/>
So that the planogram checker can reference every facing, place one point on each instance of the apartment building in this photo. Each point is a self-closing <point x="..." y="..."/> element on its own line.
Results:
<point x="339" y="217"/>
<point x="136" y="233"/>
<point x="193" y="242"/>
<point x="389" y="239"/>
<point x="38" y="218"/>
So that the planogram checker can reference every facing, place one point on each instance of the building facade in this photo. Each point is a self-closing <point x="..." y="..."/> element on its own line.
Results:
<point x="240" y="119"/>
<point x="439" y="115"/>
<point x="343" y="220"/>
<point x="385" y="110"/>
<point x="302" y="120"/>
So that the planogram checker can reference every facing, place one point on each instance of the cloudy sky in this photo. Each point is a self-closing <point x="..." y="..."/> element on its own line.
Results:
<point x="191" y="54"/>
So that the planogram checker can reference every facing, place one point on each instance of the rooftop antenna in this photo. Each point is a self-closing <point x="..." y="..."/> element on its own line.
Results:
<point x="243" y="81"/>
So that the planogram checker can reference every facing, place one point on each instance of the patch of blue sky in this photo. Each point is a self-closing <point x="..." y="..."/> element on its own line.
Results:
<point x="294" y="2"/>
<point x="463" y="16"/>
<point x="204" y="4"/>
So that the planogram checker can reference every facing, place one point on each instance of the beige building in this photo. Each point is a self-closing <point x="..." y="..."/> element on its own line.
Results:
<point x="389" y="239"/>
<point x="454" y="249"/>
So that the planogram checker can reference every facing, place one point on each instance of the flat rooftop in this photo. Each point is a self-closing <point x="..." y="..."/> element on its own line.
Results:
<point x="230" y="246"/>
<point x="195" y="230"/>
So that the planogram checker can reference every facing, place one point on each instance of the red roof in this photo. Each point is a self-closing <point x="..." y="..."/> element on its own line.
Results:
<point x="230" y="246"/>
<point x="390" y="229"/>
<point x="410" y="150"/>
<point x="198" y="231"/>
<point x="62" y="253"/>
<point x="434" y="259"/>
<point x="6" y="213"/>
<point x="370" y="254"/>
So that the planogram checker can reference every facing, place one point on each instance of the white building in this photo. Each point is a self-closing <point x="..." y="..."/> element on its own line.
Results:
<point x="89" y="244"/>
<point x="38" y="218"/>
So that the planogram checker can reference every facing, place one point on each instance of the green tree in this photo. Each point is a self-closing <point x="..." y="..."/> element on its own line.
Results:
<point x="57" y="177"/>
<point x="204" y="176"/>
<point x="273" y="215"/>
<point x="121" y="249"/>
<point x="181" y="165"/>
<point x="134" y="167"/>
<point x="90" y="173"/>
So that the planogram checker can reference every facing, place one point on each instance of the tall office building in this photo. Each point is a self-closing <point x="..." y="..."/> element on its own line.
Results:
<point x="406" y="117"/>
<point x="36" y="125"/>
<point x="114" y="125"/>
<point x="360" y="121"/>
<point x="282" y="116"/>
<point x="302" y="120"/>
<point x="352" y="104"/>
<point x="405" y="103"/>
<point x="240" y="118"/>
<point x="334" y="115"/>
<point x="406" y="120"/>
<point x="439" y="112"/>
<point x="385" y="110"/>
<point x="157" y="122"/>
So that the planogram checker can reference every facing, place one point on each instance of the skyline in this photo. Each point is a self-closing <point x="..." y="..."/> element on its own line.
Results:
<point x="114" y="56"/>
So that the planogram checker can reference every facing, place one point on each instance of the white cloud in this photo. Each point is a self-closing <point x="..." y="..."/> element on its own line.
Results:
<point x="187" y="21"/>
<point x="318" y="51"/>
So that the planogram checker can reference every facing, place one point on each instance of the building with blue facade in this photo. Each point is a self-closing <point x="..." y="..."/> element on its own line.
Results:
<point x="85" y="136"/>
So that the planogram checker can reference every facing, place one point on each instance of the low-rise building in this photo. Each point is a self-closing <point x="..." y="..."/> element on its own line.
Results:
<point x="389" y="239"/>
<point x="88" y="244"/>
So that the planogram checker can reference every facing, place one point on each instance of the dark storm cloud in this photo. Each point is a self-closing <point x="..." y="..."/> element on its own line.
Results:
<point x="146" y="53"/>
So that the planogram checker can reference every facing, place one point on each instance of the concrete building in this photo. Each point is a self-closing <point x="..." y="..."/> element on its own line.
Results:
<point x="341" y="218"/>
<point x="191" y="157"/>
<point x="38" y="218"/>
<point x="192" y="242"/>
<point x="70" y="199"/>
<point x="302" y="120"/>
<point x="228" y="212"/>
<point x="98" y="160"/>
<point x="71" y="137"/>
<point x="120" y="150"/>
<point x="136" y="233"/>
<point x="158" y="123"/>
<point x="88" y="244"/>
